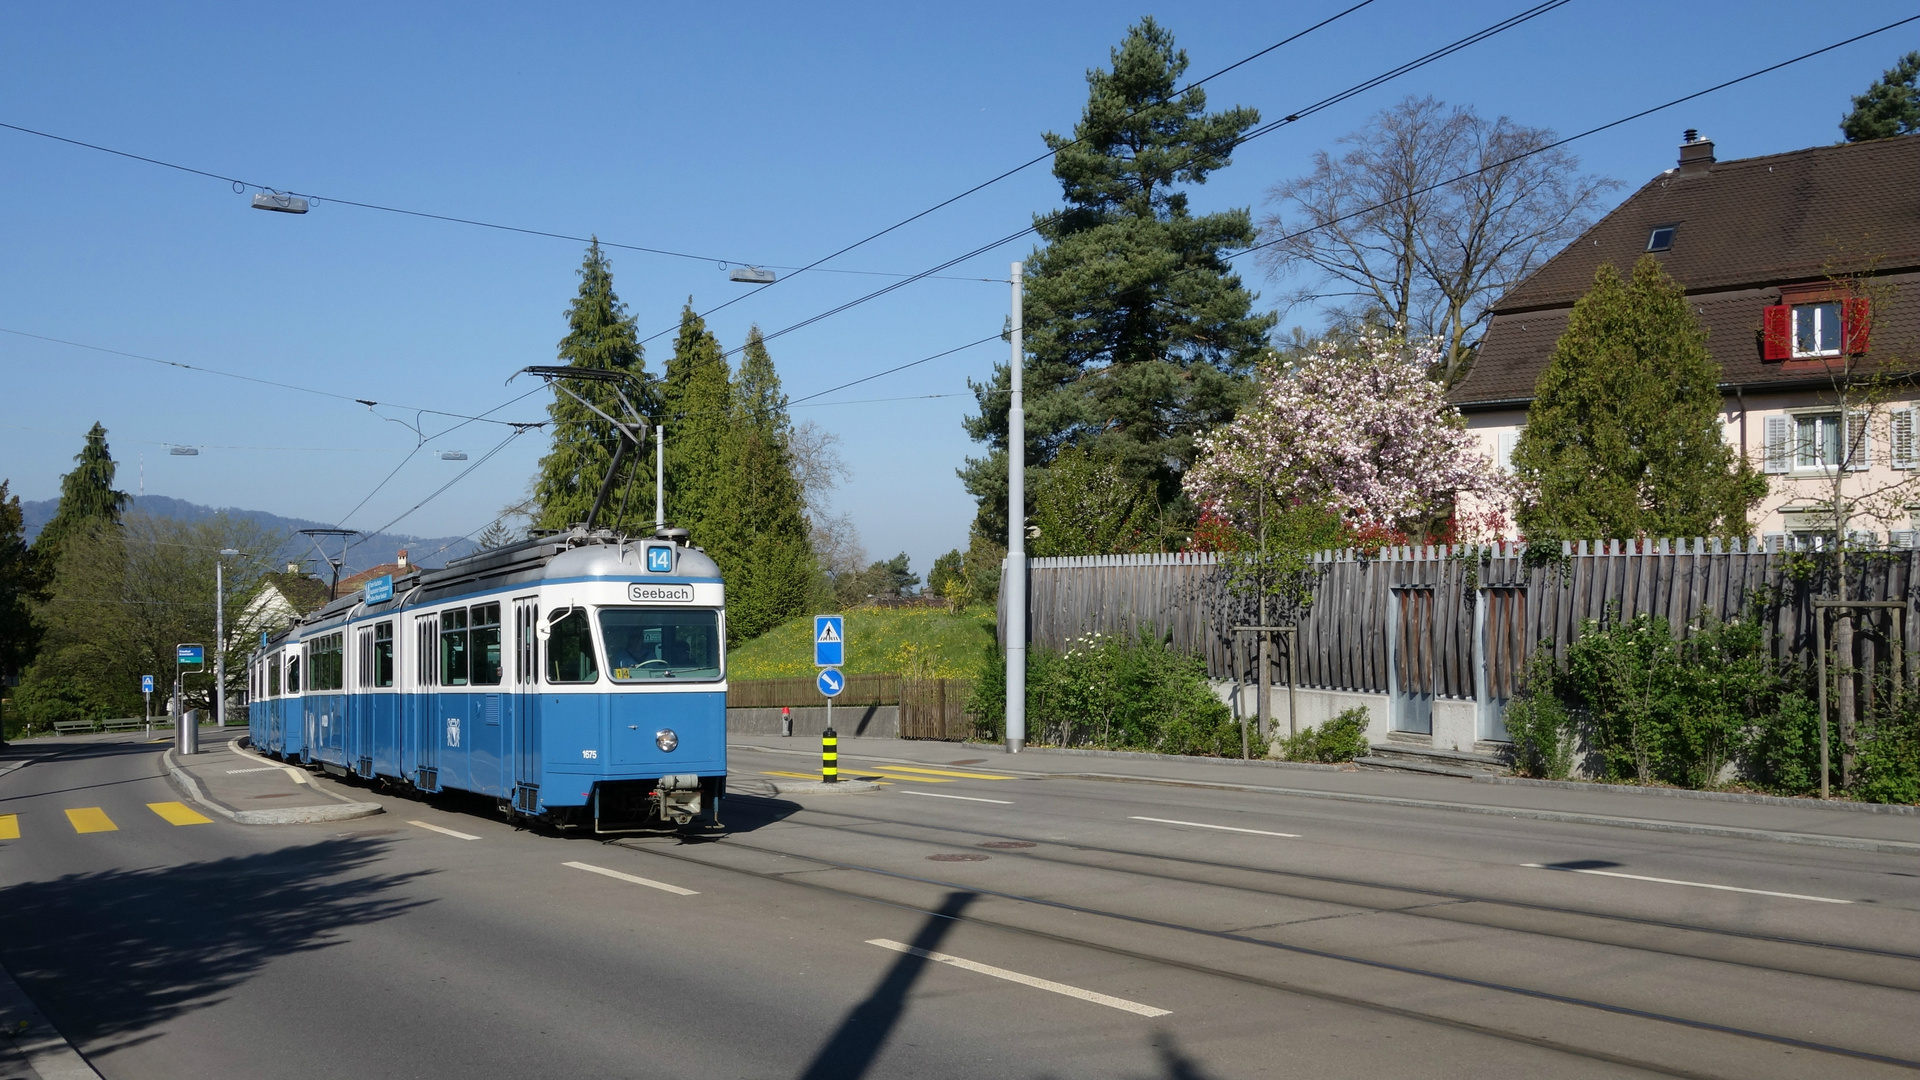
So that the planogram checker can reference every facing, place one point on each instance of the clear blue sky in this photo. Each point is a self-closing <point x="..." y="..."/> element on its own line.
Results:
<point x="757" y="132"/>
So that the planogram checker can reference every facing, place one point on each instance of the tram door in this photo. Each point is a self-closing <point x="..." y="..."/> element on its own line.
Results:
<point x="423" y="730"/>
<point x="522" y="746"/>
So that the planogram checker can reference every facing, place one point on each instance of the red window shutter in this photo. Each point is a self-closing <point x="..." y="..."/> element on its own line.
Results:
<point x="1855" y="320"/>
<point x="1776" y="333"/>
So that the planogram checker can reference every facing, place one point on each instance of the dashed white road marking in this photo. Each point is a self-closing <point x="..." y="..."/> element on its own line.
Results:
<point x="962" y="798"/>
<point x="1108" y="1000"/>
<point x="648" y="882"/>
<point x="1222" y="828"/>
<point x="1689" y="884"/>
<point x="446" y="832"/>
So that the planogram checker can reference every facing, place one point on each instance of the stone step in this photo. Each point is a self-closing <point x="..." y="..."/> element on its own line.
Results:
<point x="1396" y="754"/>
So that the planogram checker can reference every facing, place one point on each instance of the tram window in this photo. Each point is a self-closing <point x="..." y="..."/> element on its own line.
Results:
<point x="486" y="644"/>
<point x="293" y="674"/>
<point x="383" y="654"/>
<point x="326" y="663"/>
<point x="570" y="648"/>
<point x="273" y="676"/>
<point x="453" y="647"/>
<point x="655" y="643"/>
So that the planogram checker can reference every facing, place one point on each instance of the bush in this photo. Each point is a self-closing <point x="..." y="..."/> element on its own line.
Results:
<point x="1888" y="759"/>
<point x="1542" y="734"/>
<point x="1784" y="754"/>
<point x="1342" y="738"/>
<point x="1119" y="693"/>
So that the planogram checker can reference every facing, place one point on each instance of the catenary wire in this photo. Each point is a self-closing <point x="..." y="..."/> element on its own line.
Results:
<point x="1486" y="168"/>
<point x="1474" y="38"/>
<point x="463" y="474"/>
<point x="1023" y="166"/>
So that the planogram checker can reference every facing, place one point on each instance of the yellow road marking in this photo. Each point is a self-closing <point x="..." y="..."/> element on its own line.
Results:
<point x="845" y="775"/>
<point x="179" y="813"/>
<point x="91" y="819"/>
<point x="9" y="826"/>
<point x="939" y="772"/>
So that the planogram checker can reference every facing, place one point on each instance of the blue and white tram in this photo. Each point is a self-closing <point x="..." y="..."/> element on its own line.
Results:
<point x="578" y="678"/>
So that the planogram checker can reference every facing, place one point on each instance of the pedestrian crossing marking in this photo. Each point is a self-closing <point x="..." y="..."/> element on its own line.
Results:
<point x="175" y="813"/>
<point x="9" y="826"/>
<point x="922" y="773"/>
<point x="88" y="819"/>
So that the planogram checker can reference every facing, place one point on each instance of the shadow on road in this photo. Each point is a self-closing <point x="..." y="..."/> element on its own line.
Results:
<point x="856" y="1044"/>
<point x="112" y="956"/>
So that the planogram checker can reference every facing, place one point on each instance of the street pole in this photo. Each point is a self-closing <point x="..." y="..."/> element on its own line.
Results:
<point x="219" y="640"/>
<point x="659" y="477"/>
<point x="1016" y="534"/>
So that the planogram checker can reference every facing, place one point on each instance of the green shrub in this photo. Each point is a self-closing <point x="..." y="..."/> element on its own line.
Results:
<point x="1112" y="692"/>
<point x="1784" y="754"/>
<point x="1342" y="738"/>
<point x="1888" y="759"/>
<point x="1542" y="734"/>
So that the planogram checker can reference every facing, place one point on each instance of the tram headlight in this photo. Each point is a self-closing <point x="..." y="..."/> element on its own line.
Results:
<point x="666" y="740"/>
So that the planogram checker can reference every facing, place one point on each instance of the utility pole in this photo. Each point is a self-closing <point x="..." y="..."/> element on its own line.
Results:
<point x="1017" y="535"/>
<point x="220" y="639"/>
<point x="659" y="477"/>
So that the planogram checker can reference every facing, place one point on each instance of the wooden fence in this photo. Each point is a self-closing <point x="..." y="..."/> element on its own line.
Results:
<point x="800" y="690"/>
<point x="929" y="708"/>
<point x="935" y="709"/>
<point x="1433" y="620"/>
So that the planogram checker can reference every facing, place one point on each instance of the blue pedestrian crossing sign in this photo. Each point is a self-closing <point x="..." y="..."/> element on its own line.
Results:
<point x="831" y="682"/>
<point x="146" y="684"/>
<point x="829" y="641"/>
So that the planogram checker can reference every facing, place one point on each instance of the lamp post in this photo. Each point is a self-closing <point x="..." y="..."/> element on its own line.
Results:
<point x="220" y="635"/>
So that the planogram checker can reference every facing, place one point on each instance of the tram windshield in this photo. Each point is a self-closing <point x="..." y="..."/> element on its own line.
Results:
<point x="657" y="643"/>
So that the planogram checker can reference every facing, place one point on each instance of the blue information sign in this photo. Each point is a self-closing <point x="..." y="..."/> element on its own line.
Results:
<point x="831" y="682"/>
<point x="380" y="589"/>
<point x="189" y="654"/>
<point x="659" y="559"/>
<point x="146" y="684"/>
<point x="829" y="641"/>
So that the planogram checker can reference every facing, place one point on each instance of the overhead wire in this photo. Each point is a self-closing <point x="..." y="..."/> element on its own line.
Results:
<point x="1474" y="38"/>
<point x="1683" y="99"/>
<point x="463" y="474"/>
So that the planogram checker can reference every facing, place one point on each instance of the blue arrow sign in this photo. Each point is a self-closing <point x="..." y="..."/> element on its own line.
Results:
<point x="146" y="684"/>
<point x="831" y="682"/>
<point x="829" y="641"/>
<point x="380" y="589"/>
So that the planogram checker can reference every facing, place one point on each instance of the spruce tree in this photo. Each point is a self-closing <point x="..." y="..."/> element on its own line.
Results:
<point x="696" y="401"/>
<point x="22" y="585"/>
<point x="1139" y="333"/>
<point x="87" y="497"/>
<point x="600" y="334"/>
<point x="1889" y="107"/>
<point x="1624" y="435"/>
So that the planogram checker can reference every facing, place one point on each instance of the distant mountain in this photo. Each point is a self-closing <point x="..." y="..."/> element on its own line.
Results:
<point x="370" y="552"/>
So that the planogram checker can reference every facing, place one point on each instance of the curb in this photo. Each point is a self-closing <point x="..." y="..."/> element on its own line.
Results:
<point x="1140" y="755"/>
<point x="291" y="815"/>
<point x="816" y="787"/>
<point x="1372" y="762"/>
<point x="1847" y="805"/>
<point x="46" y="1050"/>
<point x="1850" y="843"/>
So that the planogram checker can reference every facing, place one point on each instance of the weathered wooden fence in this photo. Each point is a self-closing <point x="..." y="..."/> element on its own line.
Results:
<point x="1434" y="619"/>
<point x="935" y="709"/>
<point x="929" y="708"/>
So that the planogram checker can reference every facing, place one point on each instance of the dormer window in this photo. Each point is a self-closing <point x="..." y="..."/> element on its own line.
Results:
<point x="1661" y="239"/>
<point x="1816" y="329"/>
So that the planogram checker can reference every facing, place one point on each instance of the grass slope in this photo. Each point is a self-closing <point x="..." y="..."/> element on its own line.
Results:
<point x="923" y="642"/>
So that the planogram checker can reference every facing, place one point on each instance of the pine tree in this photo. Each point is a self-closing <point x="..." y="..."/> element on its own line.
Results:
<point x="1139" y="332"/>
<point x="600" y="334"/>
<point x="1889" y="107"/>
<point x="22" y="585"/>
<point x="1624" y="435"/>
<point x="87" y="497"/>
<point x="696" y="400"/>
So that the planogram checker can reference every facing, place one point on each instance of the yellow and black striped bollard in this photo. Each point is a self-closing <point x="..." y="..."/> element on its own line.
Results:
<point x="829" y="757"/>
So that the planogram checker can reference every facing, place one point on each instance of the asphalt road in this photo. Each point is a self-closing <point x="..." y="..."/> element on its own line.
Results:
<point x="948" y="925"/>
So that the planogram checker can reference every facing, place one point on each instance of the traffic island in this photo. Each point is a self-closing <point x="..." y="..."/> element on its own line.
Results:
<point x="252" y="790"/>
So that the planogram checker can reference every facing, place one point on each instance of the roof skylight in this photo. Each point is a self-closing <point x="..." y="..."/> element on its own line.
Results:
<point x="1661" y="238"/>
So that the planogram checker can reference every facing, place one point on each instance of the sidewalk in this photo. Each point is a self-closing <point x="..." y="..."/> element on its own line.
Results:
<point x="1808" y="822"/>
<point x="253" y="790"/>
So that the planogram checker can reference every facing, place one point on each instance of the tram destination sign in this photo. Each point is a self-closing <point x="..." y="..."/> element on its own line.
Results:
<point x="380" y="589"/>
<point x="647" y="592"/>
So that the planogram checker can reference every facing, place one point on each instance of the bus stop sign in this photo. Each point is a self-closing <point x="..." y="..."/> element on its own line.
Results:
<point x="190" y="655"/>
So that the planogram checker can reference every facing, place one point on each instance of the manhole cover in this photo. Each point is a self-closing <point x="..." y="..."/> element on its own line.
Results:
<point x="288" y="795"/>
<point x="958" y="856"/>
<point x="968" y="761"/>
<point x="1006" y="844"/>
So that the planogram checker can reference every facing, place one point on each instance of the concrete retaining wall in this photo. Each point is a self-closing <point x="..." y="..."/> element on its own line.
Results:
<point x="866" y="721"/>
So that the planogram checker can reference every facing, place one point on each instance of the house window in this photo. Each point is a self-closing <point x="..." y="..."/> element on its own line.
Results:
<point x="1661" y="239"/>
<point x="1817" y="441"/>
<point x="1816" y="329"/>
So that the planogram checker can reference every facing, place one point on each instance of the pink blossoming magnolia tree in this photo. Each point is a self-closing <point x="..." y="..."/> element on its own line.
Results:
<point x="1357" y="428"/>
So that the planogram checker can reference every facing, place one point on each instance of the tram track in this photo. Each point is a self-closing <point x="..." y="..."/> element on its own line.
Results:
<point x="1241" y="938"/>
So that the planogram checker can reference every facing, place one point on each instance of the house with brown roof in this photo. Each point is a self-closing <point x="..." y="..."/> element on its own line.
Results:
<point x="1804" y="269"/>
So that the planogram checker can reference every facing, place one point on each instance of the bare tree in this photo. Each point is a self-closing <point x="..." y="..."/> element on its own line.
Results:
<point x="817" y="464"/>
<point x="1429" y="216"/>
